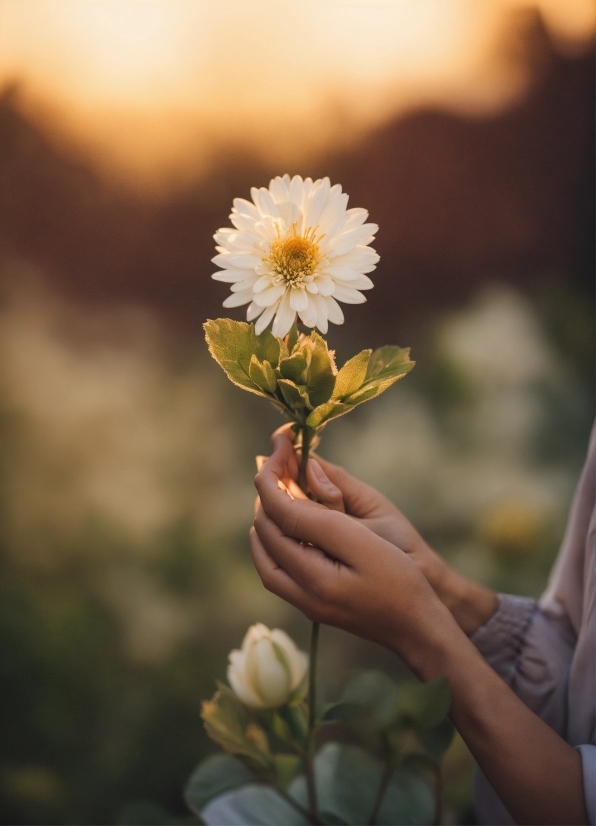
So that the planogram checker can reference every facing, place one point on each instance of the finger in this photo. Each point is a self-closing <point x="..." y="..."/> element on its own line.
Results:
<point x="323" y="488"/>
<point x="283" y="439"/>
<point x="305" y="564"/>
<point x="273" y="577"/>
<point x="359" y="498"/>
<point x="334" y="533"/>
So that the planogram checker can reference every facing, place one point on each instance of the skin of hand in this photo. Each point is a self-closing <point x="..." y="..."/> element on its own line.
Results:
<point x="471" y="604"/>
<point x="337" y="571"/>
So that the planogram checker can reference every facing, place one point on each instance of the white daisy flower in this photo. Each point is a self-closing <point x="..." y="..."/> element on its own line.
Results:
<point x="295" y="250"/>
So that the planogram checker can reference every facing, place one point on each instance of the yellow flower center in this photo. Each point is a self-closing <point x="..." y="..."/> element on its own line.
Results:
<point x="294" y="258"/>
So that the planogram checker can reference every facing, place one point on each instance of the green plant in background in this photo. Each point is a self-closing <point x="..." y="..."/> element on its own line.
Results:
<point x="379" y="760"/>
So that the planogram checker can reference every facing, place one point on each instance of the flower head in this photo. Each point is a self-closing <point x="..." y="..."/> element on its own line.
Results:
<point x="268" y="668"/>
<point x="295" y="250"/>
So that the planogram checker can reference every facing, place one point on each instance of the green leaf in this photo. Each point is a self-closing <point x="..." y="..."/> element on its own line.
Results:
<point x="258" y="805"/>
<point x="216" y="775"/>
<point x="297" y="717"/>
<point x="437" y="739"/>
<point x="292" y="337"/>
<point x="321" y="369"/>
<point x="425" y="704"/>
<point x="347" y="781"/>
<point x="418" y="763"/>
<point x="230" y="725"/>
<point x="295" y="397"/>
<point x="352" y="374"/>
<point x="343" y="712"/>
<point x="387" y="365"/>
<point x="325" y="412"/>
<point x="269" y="348"/>
<point x="261" y="374"/>
<point x="294" y="368"/>
<point x="232" y="343"/>
<point x="374" y="691"/>
<point x="287" y="767"/>
<point x="363" y="395"/>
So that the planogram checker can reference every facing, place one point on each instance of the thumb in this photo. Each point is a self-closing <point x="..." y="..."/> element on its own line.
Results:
<point x="323" y="488"/>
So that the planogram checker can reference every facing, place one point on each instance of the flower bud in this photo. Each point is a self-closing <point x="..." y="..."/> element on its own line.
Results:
<point x="268" y="668"/>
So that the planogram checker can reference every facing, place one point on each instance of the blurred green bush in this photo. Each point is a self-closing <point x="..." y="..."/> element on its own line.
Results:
<point x="126" y="469"/>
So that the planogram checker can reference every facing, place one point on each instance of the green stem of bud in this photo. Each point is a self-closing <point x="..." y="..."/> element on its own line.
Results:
<point x="309" y="755"/>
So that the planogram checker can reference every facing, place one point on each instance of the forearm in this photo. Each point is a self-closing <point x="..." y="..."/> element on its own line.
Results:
<point x="537" y="775"/>
<point x="470" y="604"/>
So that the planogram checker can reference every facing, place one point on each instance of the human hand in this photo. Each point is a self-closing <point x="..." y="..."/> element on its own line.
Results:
<point x="471" y="604"/>
<point x="333" y="567"/>
<point x="338" y="490"/>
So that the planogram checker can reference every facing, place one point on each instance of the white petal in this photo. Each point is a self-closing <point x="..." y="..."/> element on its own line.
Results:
<point x="341" y="273"/>
<point x="297" y="660"/>
<point x="298" y="300"/>
<point x="333" y="215"/>
<point x="311" y="287"/>
<point x="253" y="311"/>
<point x="263" y="282"/>
<point x="264" y="201"/>
<point x="238" y="261"/>
<point x="325" y="285"/>
<point x="284" y="318"/>
<point x="238" y="299"/>
<point x="242" y="241"/>
<point x="243" y="222"/>
<point x="263" y="320"/>
<point x="230" y="276"/>
<point x="309" y="316"/>
<point x="245" y="207"/>
<point x="273" y="677"/>
<point x="334" y="310"/>
<point x="347" y="240"/>
<point x="280" y="190"/>
<point x="245" y="694"/>
<point x="355" y="217"/>
<point x="316" y="202"/>
<point x="363" y="282"/>
<point x="222" y="235"/>
<point x="348" y="295"/>
<point x="267" y="297"/>
<point x="297" y="191"/>
<point x="247" y="284"/>
<point x="322" y="313"/>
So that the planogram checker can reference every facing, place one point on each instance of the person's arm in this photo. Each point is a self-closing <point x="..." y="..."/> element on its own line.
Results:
<point x="349" y="577"/>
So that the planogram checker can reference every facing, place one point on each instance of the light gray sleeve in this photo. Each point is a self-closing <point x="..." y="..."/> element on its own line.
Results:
<point x="588" y="754"/>
<point x="532" y="652"/>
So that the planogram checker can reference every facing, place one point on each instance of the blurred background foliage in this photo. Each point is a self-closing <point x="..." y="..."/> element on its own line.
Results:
<point x="126" y="458"/>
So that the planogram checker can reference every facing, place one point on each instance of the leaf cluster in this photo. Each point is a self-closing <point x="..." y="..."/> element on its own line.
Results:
<point x="399" y="733"/>
<point x="298" y="374"/>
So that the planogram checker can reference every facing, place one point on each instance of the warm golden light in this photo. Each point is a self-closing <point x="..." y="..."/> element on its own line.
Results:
<point x="157" y="79"/>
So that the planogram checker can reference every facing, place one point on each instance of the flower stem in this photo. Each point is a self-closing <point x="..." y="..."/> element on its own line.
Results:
<point x="309" y="754"/>
<point x="306" y="436"/>
<point x="383" y="785"/>
<point x="312" y="720"/>
<point x="438" y="795"/>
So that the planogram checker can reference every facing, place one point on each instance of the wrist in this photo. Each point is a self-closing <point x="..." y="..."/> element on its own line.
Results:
<point x="471" y="604"/>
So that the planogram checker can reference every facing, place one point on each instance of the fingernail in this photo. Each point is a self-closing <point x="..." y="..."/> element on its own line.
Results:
<point x="320" y="474"/>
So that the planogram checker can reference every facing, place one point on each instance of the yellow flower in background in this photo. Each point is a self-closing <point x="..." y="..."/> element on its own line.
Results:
<point x="268" y="669"/>
<point x="295" y="250"/>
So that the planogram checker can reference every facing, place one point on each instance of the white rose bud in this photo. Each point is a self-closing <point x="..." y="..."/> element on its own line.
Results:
<point x="268" y="668"/>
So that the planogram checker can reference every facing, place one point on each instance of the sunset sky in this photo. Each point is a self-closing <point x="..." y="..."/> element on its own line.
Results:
<point x="151" y="82"/>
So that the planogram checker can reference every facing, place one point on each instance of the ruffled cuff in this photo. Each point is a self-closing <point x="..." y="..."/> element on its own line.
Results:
<point x="588" y="754"/>
<point x="501" y="639"/>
